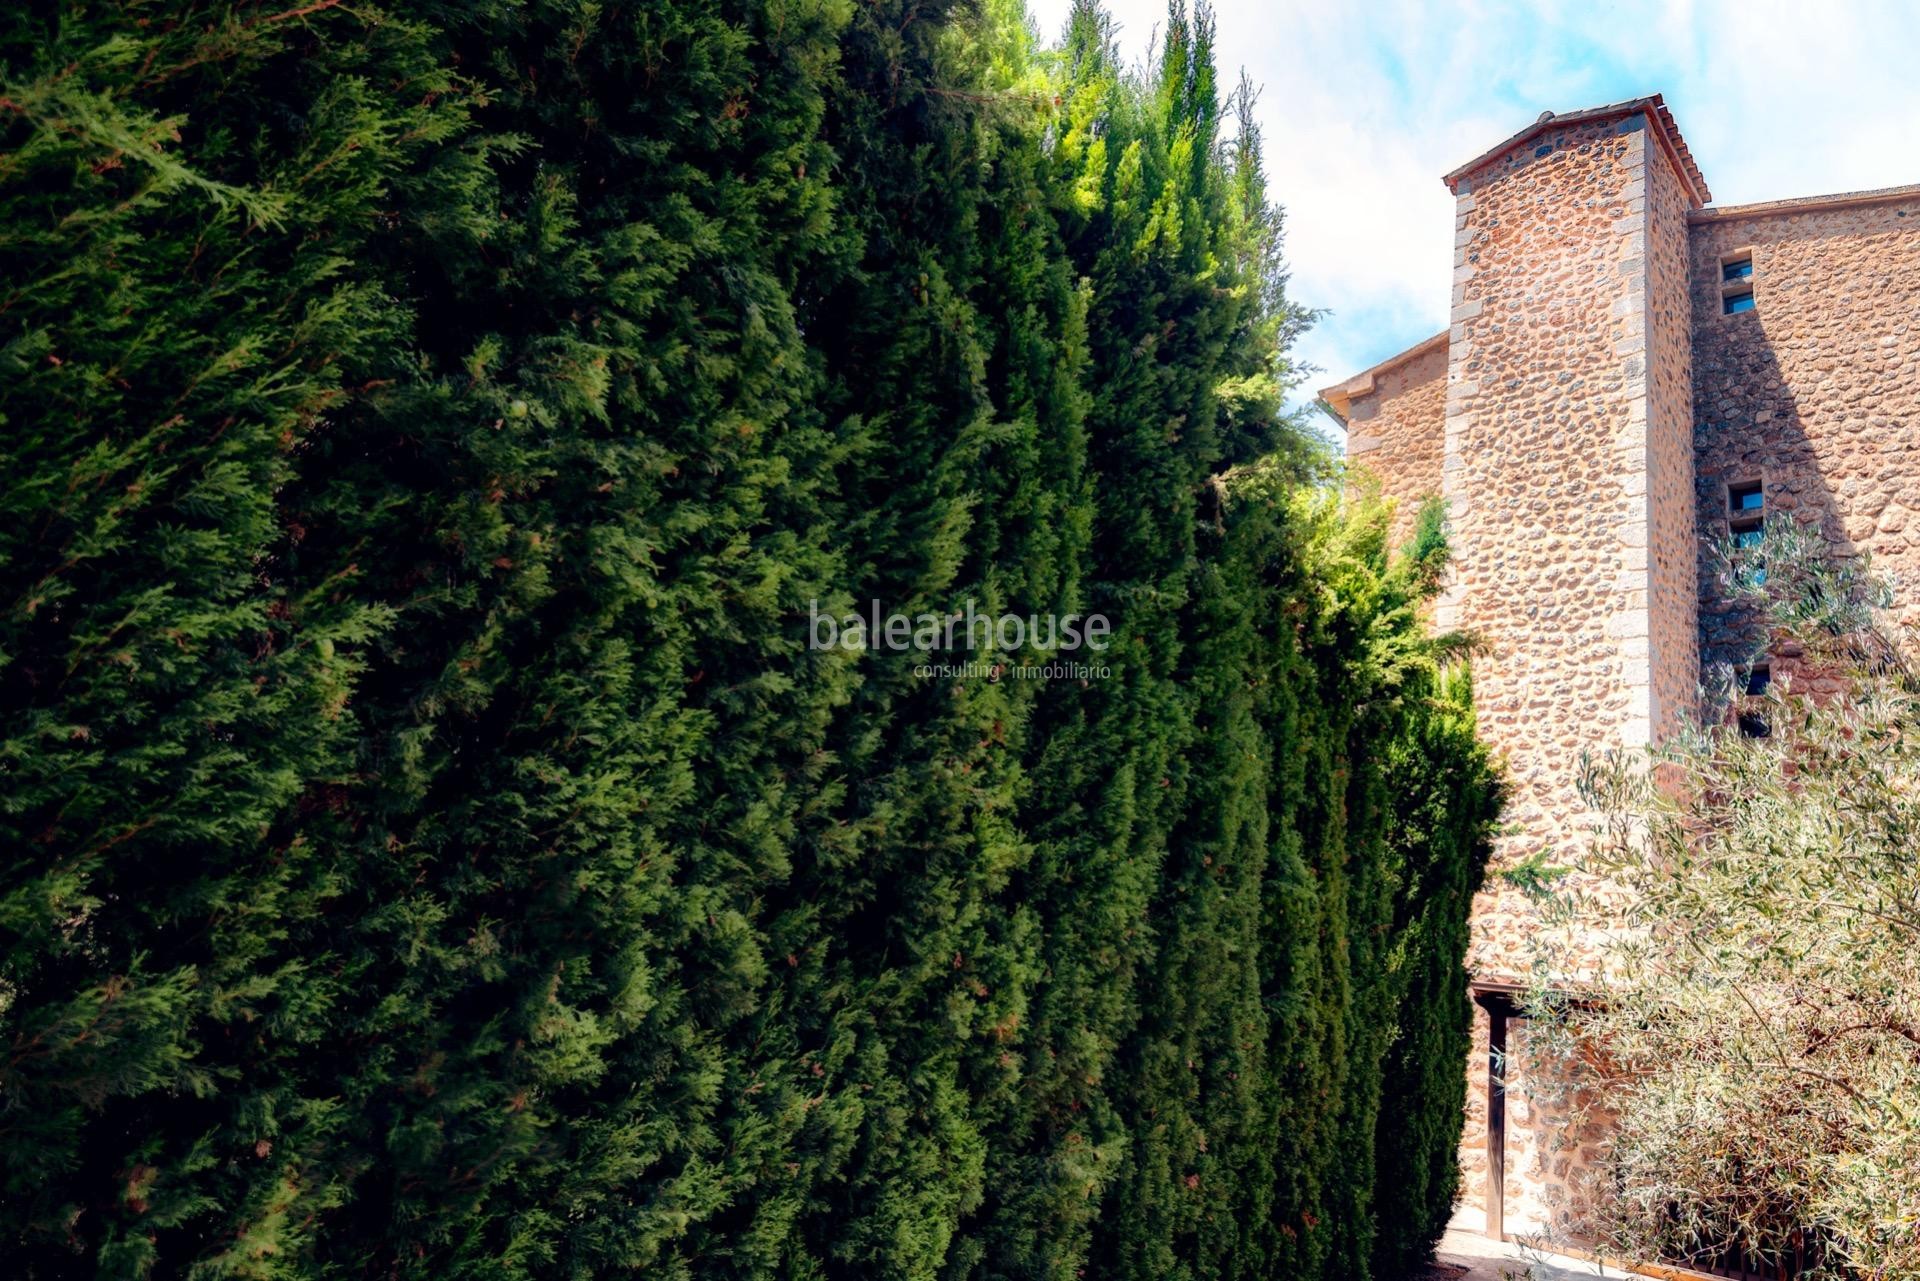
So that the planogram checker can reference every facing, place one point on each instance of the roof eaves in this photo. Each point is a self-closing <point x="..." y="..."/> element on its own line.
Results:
<point x="1807" y="204"/>
<point x="1340" y="396"/>
<point x="1653" y="105"/>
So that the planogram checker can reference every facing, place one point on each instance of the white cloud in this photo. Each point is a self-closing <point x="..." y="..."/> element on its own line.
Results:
<point x="1363" y="107"/>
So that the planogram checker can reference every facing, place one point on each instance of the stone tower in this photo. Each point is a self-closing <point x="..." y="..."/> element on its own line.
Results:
<point x="1568" y="474"/>
<point x="1568" y="437"/>
<point x="1628" y="373"/>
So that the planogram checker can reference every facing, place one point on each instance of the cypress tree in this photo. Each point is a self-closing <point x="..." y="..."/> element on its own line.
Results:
<point x="184" y="204"/>
<point x="593" y="732"/>
<point x="436" y="845"/>
<point x="1446" y="801"/>
<point x="957" y="347"/>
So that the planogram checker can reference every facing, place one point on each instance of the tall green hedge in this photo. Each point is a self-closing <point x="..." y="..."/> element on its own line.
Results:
<point x="430" y="845"/>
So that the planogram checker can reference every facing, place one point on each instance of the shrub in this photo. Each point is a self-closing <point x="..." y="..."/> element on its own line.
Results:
<point x="1759" y="1004"/>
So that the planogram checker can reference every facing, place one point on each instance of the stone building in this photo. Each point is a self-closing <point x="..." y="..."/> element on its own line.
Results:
<point x="1630" y="373"/>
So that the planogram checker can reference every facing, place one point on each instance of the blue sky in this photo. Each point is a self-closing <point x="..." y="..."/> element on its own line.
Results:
<point x="1364" y="105"/>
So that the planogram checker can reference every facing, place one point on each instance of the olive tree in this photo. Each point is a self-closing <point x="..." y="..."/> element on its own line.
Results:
<point x="1754" y="1018"/>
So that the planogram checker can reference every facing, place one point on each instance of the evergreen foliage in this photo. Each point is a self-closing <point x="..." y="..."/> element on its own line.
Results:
<point x="431" y="845"/>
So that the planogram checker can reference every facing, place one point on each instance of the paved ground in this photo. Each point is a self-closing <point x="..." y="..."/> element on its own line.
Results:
<point x="1465" y="1247"/>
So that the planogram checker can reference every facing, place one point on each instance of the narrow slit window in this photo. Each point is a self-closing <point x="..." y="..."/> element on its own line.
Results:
<point x="1747" y="527"/>
<point x="1736" y="282"/>
<point x="1746" y="503"/>
<point x="1753" y="723"/>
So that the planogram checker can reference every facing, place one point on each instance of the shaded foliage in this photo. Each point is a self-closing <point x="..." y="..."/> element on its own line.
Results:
<point x="432" y="846"/>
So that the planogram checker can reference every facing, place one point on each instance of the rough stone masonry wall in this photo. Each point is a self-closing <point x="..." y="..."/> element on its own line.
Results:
<point x="1598" y="403"/>
<point x="1567" y="384"/>
<point x="1673" y="617"/>
<point x="1555" y="1131"/>
<point x="1816" y="391"/>
<point x="1395" y="430"/>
